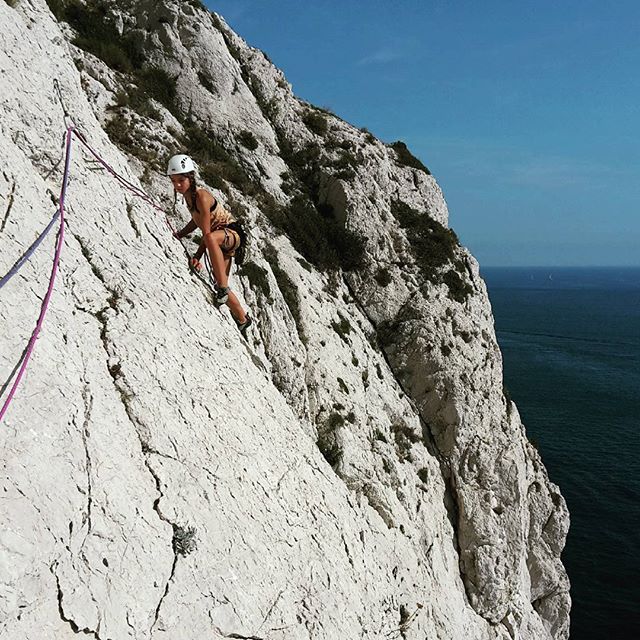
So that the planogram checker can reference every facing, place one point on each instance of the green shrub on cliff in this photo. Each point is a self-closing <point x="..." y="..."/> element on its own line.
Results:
<point x="435" y="249"/>
<point x="315" y="122"/>
<point x="97" y="34"/>
<point x="406" y="158"/>
<point x="317" y="236"/>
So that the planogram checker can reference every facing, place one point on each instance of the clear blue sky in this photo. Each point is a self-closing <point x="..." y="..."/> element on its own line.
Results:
<point x="527" y="113"/>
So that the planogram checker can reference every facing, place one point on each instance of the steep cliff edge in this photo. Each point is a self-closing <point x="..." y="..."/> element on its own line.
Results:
<point x="354" y="470"/>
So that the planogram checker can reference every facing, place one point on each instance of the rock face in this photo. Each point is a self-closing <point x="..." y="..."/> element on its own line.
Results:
<point x="353" y="470"/>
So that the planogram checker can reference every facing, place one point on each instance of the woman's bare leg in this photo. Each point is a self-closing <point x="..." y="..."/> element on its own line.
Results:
<point x="213" y="242"/>
<point x="233" y="303"/>
<point x="221" y="266"/>
<point x="236" y="308"/>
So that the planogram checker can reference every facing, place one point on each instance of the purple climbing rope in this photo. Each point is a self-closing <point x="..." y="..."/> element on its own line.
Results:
<point x="59" y="215"/>
<point x="124" y="182"/>
<point x="29" y="252"/>
<point x="52" y="278"/>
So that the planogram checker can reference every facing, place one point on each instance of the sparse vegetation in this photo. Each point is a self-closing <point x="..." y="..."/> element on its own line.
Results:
<point x="368" y="136"/>
<point x="216" y="163"/>
<point x="344" y="165"/>
<point x="57" y="8"/>
<point x="434" y="248"/>
<point x="258" y="278"/>
<point x="316" y="122"/>
<point x="156" y="83"/>
<point x="248" y="140"/>
<point x="342" y="328"/>
<point x="334" y="421"/>
<point x="328" y="441"/>
<point x="98" y="35"/>
<point x="404" y="437"/>
<point x="458" y="288"/>
<point x="320" y="239"/>
<point x="184" y="540"/>
<point x="383" y="277"/>
<point x="406" y="158"/>
<point x="118" y="130"/>
<point x="378" y="435"/>
<point x="122" y="134"/>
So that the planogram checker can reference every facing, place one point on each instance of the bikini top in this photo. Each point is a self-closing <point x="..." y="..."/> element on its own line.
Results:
<point x="220" y="217"/>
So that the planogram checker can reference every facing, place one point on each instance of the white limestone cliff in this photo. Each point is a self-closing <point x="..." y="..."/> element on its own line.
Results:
<point x="352" y="470"/>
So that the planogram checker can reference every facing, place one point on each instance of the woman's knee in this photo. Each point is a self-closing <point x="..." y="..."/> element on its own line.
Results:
<point x="215" y="237"/>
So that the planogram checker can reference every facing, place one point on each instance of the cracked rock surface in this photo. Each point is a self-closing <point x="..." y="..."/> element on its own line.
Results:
<point x="352" y="470"/>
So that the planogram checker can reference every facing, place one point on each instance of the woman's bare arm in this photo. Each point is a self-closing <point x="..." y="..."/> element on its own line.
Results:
<point x="190" y="227"/>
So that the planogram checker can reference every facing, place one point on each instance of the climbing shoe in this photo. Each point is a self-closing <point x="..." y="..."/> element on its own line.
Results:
<point x="243" y="326"/>
<point x="222" y="295"/>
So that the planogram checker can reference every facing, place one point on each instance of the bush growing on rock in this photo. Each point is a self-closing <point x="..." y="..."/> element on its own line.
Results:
<point x="310" y="223"/>
<point x="458" y="288"/>
<point x="97" y="34"/>
<point x="154" y="82"/>
<point x="383" y="277"/>
<point x="368" y="136"/>
<point x="320" y="239"/>
<point x="434" y="248"/>
<point x="404" y="436"/>
<point x="184" y="540"/>
<point x="315" y="122"/>
<point x="406" y="158"/>
<point x="248" y="140"/>
<point x="124" y="135"/>
<point x="216" y="163"/>
<point x="257" y="277"/>
<point x="328" y="441"/>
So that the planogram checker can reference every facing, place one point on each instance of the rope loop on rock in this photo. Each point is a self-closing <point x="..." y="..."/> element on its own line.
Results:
<point x="52" y="278"/>
<point x="71" y="131"/>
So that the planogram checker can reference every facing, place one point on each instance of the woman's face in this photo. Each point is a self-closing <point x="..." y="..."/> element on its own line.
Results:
<point x="181" y="183"/>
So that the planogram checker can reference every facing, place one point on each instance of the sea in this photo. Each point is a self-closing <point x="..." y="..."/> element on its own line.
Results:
<point x="570" y="340"/>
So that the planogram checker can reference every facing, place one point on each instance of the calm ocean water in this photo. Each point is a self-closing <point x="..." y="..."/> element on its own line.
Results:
<point x="570" y="339"/>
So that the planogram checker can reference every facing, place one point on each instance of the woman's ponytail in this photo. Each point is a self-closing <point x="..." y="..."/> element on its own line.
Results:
<point x="192" y="189"/>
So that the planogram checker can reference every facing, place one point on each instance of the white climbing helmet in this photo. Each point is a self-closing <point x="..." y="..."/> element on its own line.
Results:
<point x="180" y="164"/>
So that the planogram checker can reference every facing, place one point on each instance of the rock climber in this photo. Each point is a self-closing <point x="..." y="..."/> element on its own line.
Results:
<point x="222" y="235"/>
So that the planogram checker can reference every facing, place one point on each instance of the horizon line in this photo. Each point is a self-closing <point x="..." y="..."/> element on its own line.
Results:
<point x="559" y="266"/>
